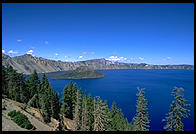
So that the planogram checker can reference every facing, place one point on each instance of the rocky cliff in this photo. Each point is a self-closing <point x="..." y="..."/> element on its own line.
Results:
<point x="27" y="63"/>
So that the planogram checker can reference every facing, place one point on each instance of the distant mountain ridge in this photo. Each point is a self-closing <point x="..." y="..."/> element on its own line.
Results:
<point x="27" y="63"/>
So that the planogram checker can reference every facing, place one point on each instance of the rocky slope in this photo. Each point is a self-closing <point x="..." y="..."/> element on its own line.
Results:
<point x="33" y="116"/>
<point x="9" y="125"/>
<point x="27" y="63"/>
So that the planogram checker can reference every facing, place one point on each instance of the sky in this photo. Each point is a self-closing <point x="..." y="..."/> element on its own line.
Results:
<point x="152" y="33"/>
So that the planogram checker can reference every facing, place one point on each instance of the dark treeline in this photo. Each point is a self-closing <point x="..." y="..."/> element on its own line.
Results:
<point x="87" y="112"/>
<point x="32" y="92"/>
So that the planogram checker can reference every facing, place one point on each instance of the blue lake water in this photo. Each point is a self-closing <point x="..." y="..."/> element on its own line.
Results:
<point x="121" y="86"/>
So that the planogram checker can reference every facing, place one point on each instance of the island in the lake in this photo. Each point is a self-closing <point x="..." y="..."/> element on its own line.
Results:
<point x="81" y="72"/>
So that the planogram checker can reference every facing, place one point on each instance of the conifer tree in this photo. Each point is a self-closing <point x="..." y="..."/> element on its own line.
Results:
<point x="53" y="104"/>
<point x="12" y="83"/>
<point x="117" y="120"/>
<point x="4" y="80"/>
<point x="32" y="85"/>
<point x="65" y="108"/>
<point x="90" y="107"/>
<point x="178" y="110"/>
<point x="23" y="91"/>
<point x="141" y="121"/>
<point x="100" y="115"/>
<point x="77" y="113"/>
<point x="57" y="107"/>
<point x="85" y="116"/>
<point x="69" y="100"/>
<point x="73" y="98"/>
<point x="45" y="99"/>
<point x="15" y="86"/>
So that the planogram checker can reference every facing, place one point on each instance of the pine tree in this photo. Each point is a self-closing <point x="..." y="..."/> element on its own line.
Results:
<point x="45" y="99"/>
<point x="170" y="122"/>
<point x="100" y="115"/>
<point x="69" y="100"/>
<point x="85" y="116"/>
<point x="57" y="107"/>
<point x="178" y="110"/>
<point x="73" y="98"/>
<point x="12" y="88"/>
<point x="32" y="84"/>
<point x="4" y="80"/>
<point x="77" y="113"/>
<point x="117" y="120"/>
<point x="141" y="121"/>
<point x="14" y="85"/>
<point x="65" y="108"/>
<point x="53" y="104"/>
<point x="90" y="107"/>
<point x="23" y="91"/>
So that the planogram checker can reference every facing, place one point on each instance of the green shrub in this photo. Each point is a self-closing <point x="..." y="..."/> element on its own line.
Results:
<point x="21" y="120"/>
<point x="28" y="125"/>
<point x="12" y="113"/>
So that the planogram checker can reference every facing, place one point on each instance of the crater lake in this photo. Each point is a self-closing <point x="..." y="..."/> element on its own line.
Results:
<point x="121" y="86"/>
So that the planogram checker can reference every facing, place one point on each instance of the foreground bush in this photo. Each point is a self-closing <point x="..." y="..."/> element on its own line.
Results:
<point x="21" y="120"/>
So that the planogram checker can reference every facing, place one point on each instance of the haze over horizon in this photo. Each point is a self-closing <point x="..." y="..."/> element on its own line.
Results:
<point x="159" y="34"/>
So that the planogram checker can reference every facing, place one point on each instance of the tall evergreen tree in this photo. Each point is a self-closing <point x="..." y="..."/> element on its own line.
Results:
<point x="178" y="110"/>
<point x="74" y="88"/>
<point x="32" y="84"/>
<point x="141" y="121"/>
<point x="100" y="115"/>
<point x="65" y="108"/>
<point x="117" y="120"/>
<point x="45" y="98"/>
<point x="69" y="100"/>
<point x="57" y="106"/>
<point x="77" y="113"/>
<point x="4" y="80"/>
<point x="23" y="91"/>
<point x="85" y="116"/>
<point x="14" y="86"/>
<point x="90" y="107"/>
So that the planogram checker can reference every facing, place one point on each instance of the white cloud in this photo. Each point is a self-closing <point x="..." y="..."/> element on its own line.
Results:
<point x="116" y="58"/>
<point x="124" y="59"/>
<point x="29" y="52"/>
<point x="66" y="56"/>
<point x="3" y="51"/>
<point x="19" y="41"/>
<point x="80" y="57"/>
<point x="46" y="42"/>
<point x="12" y="52"/>
<point x="56" y="54"/>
